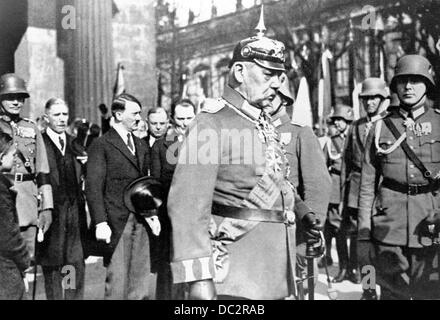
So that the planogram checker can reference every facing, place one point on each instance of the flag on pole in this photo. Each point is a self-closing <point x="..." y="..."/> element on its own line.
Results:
<point x="302" y="108"/>
<point x="324" y="86"/>
<point x="119" y="87"/>
<point x="355" y="98"/>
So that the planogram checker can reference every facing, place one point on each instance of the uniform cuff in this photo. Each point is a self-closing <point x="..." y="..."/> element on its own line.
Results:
<point x="46" y="197"/>
<point x="192" y="270"/>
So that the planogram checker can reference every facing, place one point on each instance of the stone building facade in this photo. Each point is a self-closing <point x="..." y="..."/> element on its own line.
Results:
<point x="71" y="48"/>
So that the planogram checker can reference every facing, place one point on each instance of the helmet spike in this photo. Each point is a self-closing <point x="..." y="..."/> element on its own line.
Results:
<point x="261" y="27"/>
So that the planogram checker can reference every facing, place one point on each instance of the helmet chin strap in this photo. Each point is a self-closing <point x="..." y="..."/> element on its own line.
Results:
<point x="417" y="103"/>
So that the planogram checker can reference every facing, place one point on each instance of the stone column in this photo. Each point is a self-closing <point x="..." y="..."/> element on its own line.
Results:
<point x="93" y="64"/>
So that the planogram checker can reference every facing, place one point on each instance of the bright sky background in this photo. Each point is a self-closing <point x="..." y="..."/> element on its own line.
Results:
<point x="202" y="8"/>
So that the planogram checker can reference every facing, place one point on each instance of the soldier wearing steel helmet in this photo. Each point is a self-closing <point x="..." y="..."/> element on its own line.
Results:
<point x="31" y="168"/>
<point x="374" y="96"/>
<point x="232" y="207"/>
<point x="333" y="152"/>
<point x="399" y="201"/>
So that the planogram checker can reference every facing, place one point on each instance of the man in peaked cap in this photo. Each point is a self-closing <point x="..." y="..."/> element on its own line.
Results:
<point x="373" y="96"/>
<point x="398" y="220"/>
<point x="31" y="168"/>
<point x="232" y="206"/>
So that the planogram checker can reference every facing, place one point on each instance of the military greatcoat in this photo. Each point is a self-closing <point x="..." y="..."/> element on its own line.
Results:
<point x="232" y="159"/>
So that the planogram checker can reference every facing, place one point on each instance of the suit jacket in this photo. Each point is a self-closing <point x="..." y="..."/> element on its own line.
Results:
<point x="110" y="168"/>
<point x="59" y="241"/>
<point x="14" y="257"/>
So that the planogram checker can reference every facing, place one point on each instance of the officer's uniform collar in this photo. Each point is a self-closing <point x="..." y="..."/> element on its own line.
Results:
<point x="416" y="113"/>
<point x="236" y="100"/>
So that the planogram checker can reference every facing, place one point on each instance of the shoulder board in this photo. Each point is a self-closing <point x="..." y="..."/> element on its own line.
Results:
<point x="212" y="105"/>
<point x="437" y="110"/>
<point x="28" y="120"/>
<point x="299" y="124"/>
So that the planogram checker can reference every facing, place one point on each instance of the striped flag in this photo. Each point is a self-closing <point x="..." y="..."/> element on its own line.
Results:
<point x="119" y="87"/>
<point x="302" y="108"/>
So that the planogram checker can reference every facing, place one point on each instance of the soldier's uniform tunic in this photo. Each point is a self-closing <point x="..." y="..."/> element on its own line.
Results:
<point x="30" y="174"/>
<point x="217" y="173"/>
<point x="395" y="198"/>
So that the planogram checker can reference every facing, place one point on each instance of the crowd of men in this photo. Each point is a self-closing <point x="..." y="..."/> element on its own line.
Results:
<point x="232" y="202"/>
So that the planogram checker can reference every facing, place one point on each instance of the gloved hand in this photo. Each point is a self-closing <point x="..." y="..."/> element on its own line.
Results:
<point x="312" y="226"/>
<point x="44" y="220"/>
<point x="202" y="290"/>
<point x="154" y="224"/>
<point x="103" y="232"/>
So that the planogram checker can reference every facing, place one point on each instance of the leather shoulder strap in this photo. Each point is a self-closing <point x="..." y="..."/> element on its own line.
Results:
<point x="408" y="151"/>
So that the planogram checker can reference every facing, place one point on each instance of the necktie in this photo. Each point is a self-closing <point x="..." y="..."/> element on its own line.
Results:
<point x="130" y="143"/>
<point x="61" y="143"/>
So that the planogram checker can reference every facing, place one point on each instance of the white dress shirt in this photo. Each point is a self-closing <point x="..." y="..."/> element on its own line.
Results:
<point x="123" y="132"/>
<point x="55" y="137"/>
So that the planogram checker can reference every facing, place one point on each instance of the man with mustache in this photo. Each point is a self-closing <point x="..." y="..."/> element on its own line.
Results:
<point x="233" y="208"/>
<point x="399" y="201"/>
<point x="115" y="160"/>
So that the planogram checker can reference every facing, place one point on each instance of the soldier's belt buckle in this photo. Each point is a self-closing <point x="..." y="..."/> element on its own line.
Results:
<point x="412" y="189"/>
<point x="18" y="177"/>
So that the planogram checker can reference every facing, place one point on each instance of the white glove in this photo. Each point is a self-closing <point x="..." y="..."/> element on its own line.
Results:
<point x="154" y="224"/>
<point x="103" y="232"/>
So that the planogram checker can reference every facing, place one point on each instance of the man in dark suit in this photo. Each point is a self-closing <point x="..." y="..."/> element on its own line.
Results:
<point x="116" y="159"/>
<point x="61" y="253"/>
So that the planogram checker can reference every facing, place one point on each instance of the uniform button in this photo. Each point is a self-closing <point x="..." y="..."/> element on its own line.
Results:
<point x="411" y="138"/>
<point x="432" y="141"/>
<point x="411" y="176"/>
<point x="412" y="147"/>
<point x="411" y="166"/>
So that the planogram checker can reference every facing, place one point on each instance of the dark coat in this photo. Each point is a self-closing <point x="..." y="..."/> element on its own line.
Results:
<point x="14" y="257"/>
<point x="61" y="245"/>
<point x="110" y="168"/>
<point x="335" y="149"/>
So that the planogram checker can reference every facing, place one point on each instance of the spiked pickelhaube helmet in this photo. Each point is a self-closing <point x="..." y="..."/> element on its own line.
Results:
<point x="265" y="52"/>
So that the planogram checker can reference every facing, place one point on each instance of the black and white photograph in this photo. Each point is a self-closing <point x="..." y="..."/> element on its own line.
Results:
<point x="242" y="151"/>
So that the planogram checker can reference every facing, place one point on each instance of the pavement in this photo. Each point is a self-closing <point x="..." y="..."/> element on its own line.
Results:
<point x="95" y="278"/>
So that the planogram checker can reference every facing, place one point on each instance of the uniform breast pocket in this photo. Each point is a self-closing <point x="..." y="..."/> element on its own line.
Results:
<point x="430" y="147"/>
<point x="394" y="157"/>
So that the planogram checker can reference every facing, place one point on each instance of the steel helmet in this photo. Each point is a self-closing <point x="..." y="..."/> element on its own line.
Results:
<point x="10" y="83"/>
<point x="343" y="111"/>
<point x="143" y="196"/>
<point x="374" y="87"/>
<point x="413" y="64"/>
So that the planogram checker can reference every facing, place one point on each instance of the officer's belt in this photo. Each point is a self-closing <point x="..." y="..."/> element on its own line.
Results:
<point x="334" y="171"/>
<point x="411" y="189"/>
<point x="20" y="177"/>
<point x="260" y="215"/>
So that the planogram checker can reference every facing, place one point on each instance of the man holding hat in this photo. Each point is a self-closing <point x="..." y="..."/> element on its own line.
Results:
<point x="30" y="172"/>
<point x="333" y="152"/>
<point x="231" y="204"/>
<point x="399" y="201"/>
<point x="373" y="96"/>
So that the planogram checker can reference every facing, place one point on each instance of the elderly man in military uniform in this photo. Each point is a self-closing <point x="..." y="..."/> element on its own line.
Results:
<point x="399" y="201"/>
<point x="333" y="152"/>
<point x="231" y="202"/>
<point x="373" y="96"/>
<point x="31" y="167"/>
